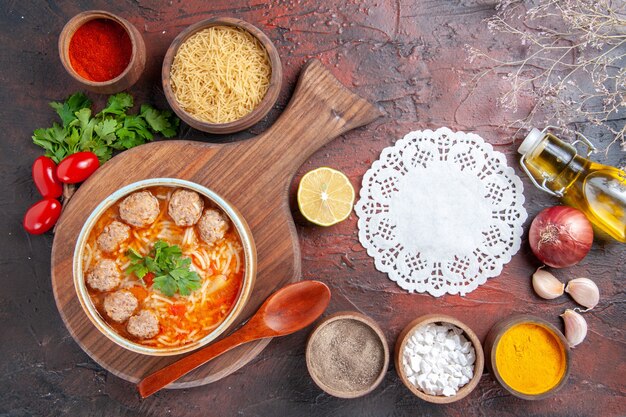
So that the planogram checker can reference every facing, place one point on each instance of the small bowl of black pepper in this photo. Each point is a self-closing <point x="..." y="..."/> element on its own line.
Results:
<point x="347" y="355"/>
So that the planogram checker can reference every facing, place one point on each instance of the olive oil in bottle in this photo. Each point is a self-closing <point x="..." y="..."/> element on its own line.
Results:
<point x="597" y="190"/>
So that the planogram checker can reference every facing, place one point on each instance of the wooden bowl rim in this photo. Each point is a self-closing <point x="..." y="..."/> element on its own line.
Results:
<point x="494" y="336"/>
<point x="260" y="111"/>
<point x="80" y="19"/>
<point x="469" y="333"/>
<point x="249" y="278"/>
<point x="347" y="315"/>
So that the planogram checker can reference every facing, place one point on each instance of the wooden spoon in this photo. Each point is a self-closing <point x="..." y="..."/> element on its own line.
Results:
<point x="288" y="310"/>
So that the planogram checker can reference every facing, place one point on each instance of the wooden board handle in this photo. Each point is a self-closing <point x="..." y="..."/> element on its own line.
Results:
<point x="320" y="110"/>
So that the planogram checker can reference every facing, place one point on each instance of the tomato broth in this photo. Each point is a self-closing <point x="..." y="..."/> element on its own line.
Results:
<point x="183" y="319"/>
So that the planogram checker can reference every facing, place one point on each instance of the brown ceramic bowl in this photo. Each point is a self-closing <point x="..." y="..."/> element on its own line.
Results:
<point x="137" y="59"/>
<point x="354" y="317"/>
<point x="247" y="242"/>
<point x="468" y="333"/>
<point x="258" y="112"/>
<point x="493" y="338"/>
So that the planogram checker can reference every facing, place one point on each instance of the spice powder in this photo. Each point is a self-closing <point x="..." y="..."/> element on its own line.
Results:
<point x="346" y="355"/>
<point x="530" y="358"/>
<point x="100" y="50"/>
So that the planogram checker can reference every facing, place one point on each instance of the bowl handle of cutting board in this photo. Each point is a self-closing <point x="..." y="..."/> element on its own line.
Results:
<point x="320" y="109"/>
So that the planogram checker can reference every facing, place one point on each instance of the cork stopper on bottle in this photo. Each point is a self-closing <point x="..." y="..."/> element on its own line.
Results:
<point x="532" y="140"/>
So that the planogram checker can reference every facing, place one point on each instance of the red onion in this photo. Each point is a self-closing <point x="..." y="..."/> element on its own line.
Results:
<point x="560" y="236"/>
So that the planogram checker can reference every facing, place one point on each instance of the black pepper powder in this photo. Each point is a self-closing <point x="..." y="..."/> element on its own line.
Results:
<point x="347" y="355"/>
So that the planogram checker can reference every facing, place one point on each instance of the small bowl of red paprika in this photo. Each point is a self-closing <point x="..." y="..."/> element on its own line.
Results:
<point x="102" y="51"/>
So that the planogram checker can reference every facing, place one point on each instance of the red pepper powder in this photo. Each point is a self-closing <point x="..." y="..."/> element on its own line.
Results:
<point x="100" y="50"/>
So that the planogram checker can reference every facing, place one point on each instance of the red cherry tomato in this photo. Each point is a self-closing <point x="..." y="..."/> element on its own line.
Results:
<point x="41" y="216"/>
<point x="45" y="176"/>
<point x="77" y="167"/>
<point x="149" y="278"/>
<point x="178" y="309"/>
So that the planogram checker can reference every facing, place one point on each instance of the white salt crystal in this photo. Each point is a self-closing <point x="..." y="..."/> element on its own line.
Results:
<point x="429" y="388"/>
<point x="471" y="357"/>
<point x="414" y="361"/>
<point x="438" y="359"/>
<point x="422" y="349"/>
<point x="450" y="344"/>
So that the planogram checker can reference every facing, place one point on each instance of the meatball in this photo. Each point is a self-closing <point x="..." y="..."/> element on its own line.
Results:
<point x="143" y="325"/>
<point x="112" y="236"/>
<point x="140" y="209"/>
<point x="105" y="276"/>
<point x="120" y="305"/>
<point x="212" y="226"/>
<point x="185" y="207"/>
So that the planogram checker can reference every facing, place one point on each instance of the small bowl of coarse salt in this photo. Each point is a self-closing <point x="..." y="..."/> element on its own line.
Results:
<point x="439" y="358"/>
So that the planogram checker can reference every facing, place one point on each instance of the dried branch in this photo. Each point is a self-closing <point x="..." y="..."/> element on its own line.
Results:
<point x="574" y="68"/>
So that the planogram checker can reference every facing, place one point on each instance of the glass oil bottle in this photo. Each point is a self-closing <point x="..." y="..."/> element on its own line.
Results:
<point x="597" y="190"/>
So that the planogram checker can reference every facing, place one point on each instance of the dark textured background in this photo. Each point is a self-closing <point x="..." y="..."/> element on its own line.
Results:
<point x="407" y="55"/>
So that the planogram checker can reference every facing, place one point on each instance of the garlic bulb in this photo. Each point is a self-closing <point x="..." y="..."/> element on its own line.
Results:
<point x="584" y="291"/>
<point x="575" y="327"/>
<point x="546" y="285"/>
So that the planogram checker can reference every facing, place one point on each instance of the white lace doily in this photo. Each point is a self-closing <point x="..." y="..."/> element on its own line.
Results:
<point x="440" y="212"/>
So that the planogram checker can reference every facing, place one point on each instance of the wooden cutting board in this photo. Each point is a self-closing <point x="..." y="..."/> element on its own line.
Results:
<point x="253" y="175"/>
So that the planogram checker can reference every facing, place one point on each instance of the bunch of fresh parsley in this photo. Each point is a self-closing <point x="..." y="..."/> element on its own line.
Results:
<point x="171" y="271"/>
<point x="111" y="129"/>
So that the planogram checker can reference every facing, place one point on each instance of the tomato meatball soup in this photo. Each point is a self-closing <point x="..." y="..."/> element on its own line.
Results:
<point x="163" y="266"/>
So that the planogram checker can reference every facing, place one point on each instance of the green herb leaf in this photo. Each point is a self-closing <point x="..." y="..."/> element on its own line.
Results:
<point x="171" y="269"/>
<point x="162" y="122"/>
<point x="133" y="255"/>
<point x="105" y="129"/>
<point x="165" y="284"/>
<point x="118" y="104"/>
<point x="110" y="130"/>
<point x="67" y="110"/>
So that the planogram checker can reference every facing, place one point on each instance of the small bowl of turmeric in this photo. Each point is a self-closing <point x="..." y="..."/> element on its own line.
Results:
<point x="102" y="51"/>
<point x="528" y="356"/>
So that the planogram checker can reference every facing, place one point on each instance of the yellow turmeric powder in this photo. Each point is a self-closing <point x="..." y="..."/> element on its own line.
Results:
<point x="530" y="358"/>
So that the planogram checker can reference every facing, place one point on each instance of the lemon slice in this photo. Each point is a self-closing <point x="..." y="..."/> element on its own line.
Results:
<point x="325" y="196"/>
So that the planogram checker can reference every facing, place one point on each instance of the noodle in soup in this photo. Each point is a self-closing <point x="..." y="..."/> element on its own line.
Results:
<point x="137" y="222"/>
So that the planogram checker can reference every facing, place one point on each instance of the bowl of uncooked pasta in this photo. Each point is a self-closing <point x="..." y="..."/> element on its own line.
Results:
<point x="222" y="75"/>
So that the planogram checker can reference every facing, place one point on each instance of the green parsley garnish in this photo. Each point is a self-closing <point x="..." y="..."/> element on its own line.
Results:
<point x="171" y="271"/>
<point x="110" y="130"/>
